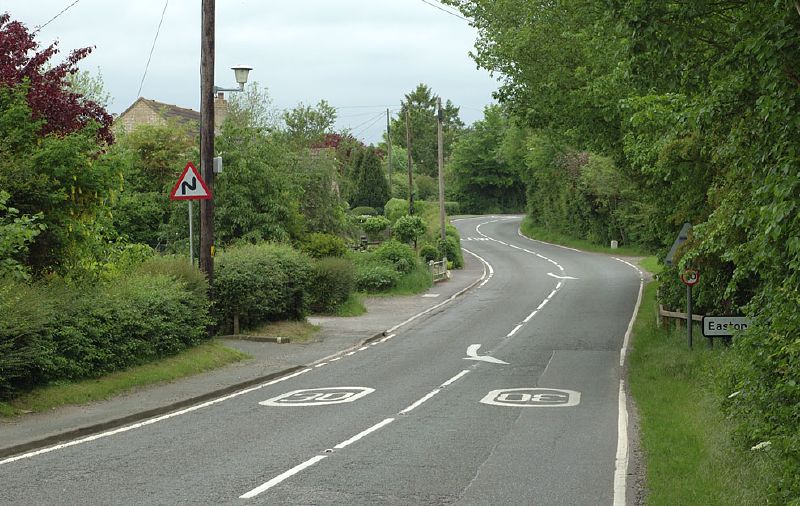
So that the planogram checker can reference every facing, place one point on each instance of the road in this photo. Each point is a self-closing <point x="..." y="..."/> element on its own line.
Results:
<point x="508" y="395"/>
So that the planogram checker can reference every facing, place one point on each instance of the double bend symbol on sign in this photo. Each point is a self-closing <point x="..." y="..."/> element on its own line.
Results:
<point x="190" y="186"/>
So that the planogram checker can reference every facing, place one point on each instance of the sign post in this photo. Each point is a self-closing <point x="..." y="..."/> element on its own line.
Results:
<point x="187" y="188"/>
<point x="690" y="277"/>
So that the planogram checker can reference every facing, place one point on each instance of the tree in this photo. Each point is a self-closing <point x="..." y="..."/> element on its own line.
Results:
<point x="64" y="178"/>
<point x="485" y="180"/>
<point x="48" y="93"/>
<point x="16" y="234"/>
<point x="370" y="186"/>
<point x="307" y="123"/>
<point x="421" y="106"/>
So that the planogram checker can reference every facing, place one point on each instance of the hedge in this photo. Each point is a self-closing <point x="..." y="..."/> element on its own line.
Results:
<point x="333" y="281"/>
<point x="54" y="331"/>
<point x="262" y="282"/>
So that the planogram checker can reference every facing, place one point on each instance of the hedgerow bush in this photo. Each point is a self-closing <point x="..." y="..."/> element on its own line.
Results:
<point x="375" y="277"/>
<point x="262" y="282"/>
<point x="26" y="350"/>
<point x="429" y="252"/>
<point x="54" y="331"/>
<point x="333" y="281"/>
<point x="132" y="320"/>
<point x="178" y="268"/>
<point x="399" y="256"/>
<point x="318" y="245"/>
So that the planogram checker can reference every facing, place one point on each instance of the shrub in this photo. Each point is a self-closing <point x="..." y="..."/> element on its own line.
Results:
<point x="179" y="269"/>
<point x="319" y="245"/>
<point x="333" y="282"/>
<point x="56" y="331"/>
<point x="262" y="282"/>
<point x="450" y="248"/>
<point x="364" y="211"/>
<point x="397" y="255"/>
<point x="409" y="228"/>
<point x="452" y="208"/>
<point x="26" y="353"/>
<point x="135" y="319"/>
<point x="374" y="226"/>
<point x="394" y="209"/>
<point x="429" y="252"/>
<point x="375" y="277"/>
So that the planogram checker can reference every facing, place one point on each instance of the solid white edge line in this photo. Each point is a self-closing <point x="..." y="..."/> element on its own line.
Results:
<point x="454" y="378"/>
<point x="622" y="457"/>
<point x="364" y="433"/>
<point x="149" y="421"/>
<point x="420" y="402"/>
<point x="281" y="477"/>
<point x="621" y="464"/>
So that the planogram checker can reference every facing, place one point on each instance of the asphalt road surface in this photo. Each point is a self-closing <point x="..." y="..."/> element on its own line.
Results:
<point x="508" y="395"/>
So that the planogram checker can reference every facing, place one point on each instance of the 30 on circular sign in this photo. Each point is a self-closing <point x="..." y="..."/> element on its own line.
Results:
<point x="690" y="277"/>
<point x="318" y="396"/>
<point x="533" y="398"/>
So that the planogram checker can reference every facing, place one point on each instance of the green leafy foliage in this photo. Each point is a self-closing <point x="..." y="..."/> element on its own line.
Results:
<point x="57" y="331"/>
<point x="409" y="228"/>
<point x="319" y="245"/>
<point x="16" y="233"/>
<point x="261" y="282"/>
<point x="399" y="256"/>
<point x="375" y="277"/>
<point x="429" y="252"/>
<point x="370" y="187"/>
<point x="375" y="226"/>
<point x="333" y="280"/>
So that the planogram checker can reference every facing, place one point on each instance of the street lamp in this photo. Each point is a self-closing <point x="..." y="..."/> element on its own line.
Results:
<point x="207" y="92"/>
<point x="240" y="72"/>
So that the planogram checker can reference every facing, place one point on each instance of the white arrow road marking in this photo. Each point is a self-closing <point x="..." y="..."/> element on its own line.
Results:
<point x="559" y="277"/>
<point x="472" y="354"/>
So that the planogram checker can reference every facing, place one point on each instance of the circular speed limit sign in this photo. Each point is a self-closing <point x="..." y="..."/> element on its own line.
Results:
<point x="690" y="277"/>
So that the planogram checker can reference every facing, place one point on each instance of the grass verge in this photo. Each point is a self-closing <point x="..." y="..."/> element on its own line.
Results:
<point x="545" y="235"/>
<point x="689" y="456"/>
<point x="416" y="281"/>
<point x="298" y="331"/>
<point x="353" y="306"/>
<point x="201" y="358"/>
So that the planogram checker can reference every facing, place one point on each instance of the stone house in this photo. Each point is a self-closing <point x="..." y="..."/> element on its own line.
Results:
<point x="151" y="112"/>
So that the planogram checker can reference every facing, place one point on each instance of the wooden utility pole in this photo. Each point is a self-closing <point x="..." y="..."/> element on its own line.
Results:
<point x="389" y="144"/>
<point x="440" y="120"/>
<point x="207" y="138"/>
<point x="410" y="176"/>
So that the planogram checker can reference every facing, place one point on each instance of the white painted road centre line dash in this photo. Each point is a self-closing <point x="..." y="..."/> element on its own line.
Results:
<point x="281" y="477"/>
<point x="364" y="433"/>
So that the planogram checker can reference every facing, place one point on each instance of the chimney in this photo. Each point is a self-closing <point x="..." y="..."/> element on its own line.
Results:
<point x="220" y="111"/>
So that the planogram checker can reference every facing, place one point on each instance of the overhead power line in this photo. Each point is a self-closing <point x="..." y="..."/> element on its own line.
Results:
<point x="65" y="9"/>
<point x="147" y="66"/>
<point x="436" y="6"/>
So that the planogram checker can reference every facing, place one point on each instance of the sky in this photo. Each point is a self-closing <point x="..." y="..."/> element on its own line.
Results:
<point x="361" y="56"/>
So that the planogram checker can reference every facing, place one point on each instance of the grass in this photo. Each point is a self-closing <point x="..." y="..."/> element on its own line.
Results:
<point x="651" y="265"/>
<point x="201" y="358"/>
<point x="416" y="281"/>
<point x="353" y="306"/>
<point x="689" y="456"/>
<point x="297" y="331"/>
<point x="545" y="235"/>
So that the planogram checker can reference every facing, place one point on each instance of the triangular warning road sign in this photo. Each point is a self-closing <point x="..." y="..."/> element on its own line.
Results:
<point x="190" y="186"/>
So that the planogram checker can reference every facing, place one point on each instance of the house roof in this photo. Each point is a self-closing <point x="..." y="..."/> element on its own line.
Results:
<point x="167" y="111"/>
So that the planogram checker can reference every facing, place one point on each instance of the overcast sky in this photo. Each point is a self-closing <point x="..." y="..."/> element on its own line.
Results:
<point x="361" y="56"/>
